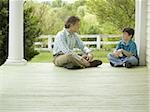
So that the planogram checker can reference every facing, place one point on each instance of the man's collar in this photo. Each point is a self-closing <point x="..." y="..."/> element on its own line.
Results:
<point x="67" y="32"/>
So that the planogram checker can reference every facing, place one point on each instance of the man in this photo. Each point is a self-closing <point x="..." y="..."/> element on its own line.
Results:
<point x="65" y="41"/>
<point x="126" y="51"/>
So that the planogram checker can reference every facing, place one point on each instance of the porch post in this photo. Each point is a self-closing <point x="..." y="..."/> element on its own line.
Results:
<point x="15" y="51"/>
<point x="140" y="30"/>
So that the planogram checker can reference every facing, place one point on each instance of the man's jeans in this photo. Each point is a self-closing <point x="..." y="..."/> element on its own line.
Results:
<point x="64" y="59"/>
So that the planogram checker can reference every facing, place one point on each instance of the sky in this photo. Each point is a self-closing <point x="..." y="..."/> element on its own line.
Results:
<point x="69" y="1"/>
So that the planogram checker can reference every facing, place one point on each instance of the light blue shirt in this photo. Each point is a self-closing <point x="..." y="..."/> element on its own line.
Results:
<point x="65" y="42"/>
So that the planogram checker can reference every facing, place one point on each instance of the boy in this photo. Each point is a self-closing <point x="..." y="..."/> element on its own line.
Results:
<point x="65" y="41"/>
<point x="125" y="53"/>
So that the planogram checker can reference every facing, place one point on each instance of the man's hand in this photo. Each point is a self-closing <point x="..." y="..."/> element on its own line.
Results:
<point x="88" y="57"/>
<point x="87" y="63"/>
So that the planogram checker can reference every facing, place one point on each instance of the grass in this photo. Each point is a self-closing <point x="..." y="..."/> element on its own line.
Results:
<point x="46" y="57"/>
<point x="43" y="57"/>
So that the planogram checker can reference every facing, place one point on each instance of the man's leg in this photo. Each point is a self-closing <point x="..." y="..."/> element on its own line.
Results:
<point x="93" y="63"/>
<point x="114" y="60"/>
<point x="68" y="60"/>
<point x="61" y="60"/>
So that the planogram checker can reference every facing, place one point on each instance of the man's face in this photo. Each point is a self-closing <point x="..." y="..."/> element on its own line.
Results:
<point x="75" y="27"/>
<point x="126" y="36"/>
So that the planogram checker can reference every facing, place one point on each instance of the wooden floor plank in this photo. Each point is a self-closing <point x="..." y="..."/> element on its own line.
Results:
<point x="42" y="87"/>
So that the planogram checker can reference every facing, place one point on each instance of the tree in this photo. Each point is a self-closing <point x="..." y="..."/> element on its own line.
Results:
<point x="32" y="30"/>
<point x="120" y="13"/>
<point x="58" y="3"/>
<point x="51" y="18"/>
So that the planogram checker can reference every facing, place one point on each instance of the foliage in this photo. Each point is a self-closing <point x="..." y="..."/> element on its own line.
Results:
<point x="97" y="16"/>
<point x="31" y="31"/>
<point x="120" y="13"/>
<point x="52" y="15"/>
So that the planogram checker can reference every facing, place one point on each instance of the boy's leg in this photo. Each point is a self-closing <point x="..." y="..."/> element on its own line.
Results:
<point x="114" y="60"/>
<point x="133" y="60"/>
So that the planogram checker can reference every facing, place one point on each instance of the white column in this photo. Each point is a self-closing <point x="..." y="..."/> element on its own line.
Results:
<point x="140" y="30"/>
<point x="15" y="51"/>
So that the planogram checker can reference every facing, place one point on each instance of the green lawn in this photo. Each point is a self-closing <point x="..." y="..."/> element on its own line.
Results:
<point x="45" y="57"/>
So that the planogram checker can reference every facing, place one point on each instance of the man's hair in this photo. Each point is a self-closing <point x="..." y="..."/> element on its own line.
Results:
<point x="130" y="31"/>
<point x="71" y="20"/>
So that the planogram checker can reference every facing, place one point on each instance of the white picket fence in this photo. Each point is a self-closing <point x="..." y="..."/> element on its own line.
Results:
<point x="98" y="41"/>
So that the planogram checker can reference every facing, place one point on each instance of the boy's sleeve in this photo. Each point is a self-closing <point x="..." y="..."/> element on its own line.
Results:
<point x="133" y="49"/>
<point x="118" y="46"/>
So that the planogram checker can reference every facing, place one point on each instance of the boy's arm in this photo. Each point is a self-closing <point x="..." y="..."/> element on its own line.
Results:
<point x="117" y="52"/>
<point x="132" y="51"/>
<point x="126" y="53"/>
<point x="118" y="46"/>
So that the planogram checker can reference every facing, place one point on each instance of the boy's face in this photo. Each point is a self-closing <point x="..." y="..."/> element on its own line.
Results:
<point x="126" y="36"/>
<point x="75" y="27"/>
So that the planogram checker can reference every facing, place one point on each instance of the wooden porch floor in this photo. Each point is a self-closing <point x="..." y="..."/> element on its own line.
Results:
<point x="42" y="87"/>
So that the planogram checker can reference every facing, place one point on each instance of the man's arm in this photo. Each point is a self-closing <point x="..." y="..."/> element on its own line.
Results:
<point x="86" y="50"/>
<point x="80" y="45"/>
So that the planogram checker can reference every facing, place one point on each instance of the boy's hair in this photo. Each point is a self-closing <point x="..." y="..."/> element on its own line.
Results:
<point x="130" y="31"/>
<point x="71" y="20"/>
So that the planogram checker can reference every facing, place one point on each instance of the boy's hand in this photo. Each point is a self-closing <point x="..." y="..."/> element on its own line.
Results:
<point x="118" y="53"/>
